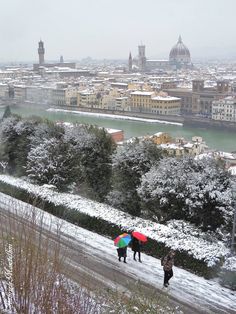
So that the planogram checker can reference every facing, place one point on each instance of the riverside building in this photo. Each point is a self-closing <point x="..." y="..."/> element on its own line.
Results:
<point x="198" y="100"/>
<point x="224" y="109"/>
<point x="148" y="102"/>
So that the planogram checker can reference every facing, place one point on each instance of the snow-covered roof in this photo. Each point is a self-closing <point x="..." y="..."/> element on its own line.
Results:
<point x="157" y="60"/>
<point x="122" y="98"/>
<point x="166" y="98"/>
<point x="204" y="155"/>
<point x="140" y="93"/>
<point x="188" y="145"/>
<point x="232" y="170"/>
<point x="119" y="84"/>
<point x="171" y="146"/>
<point x="226" y="155"/>
<point x="86" y="92"/>
<point x="158" y="134"/>
<point x="111" y="131"/>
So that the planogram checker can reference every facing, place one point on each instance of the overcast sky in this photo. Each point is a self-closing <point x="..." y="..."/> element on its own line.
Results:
<point x="111" y="28"/>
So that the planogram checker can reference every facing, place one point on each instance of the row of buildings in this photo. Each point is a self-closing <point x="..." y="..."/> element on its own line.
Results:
<point x="175" y="91"/>
<point x="218" y="103"/>
<point x="63" y="94"/>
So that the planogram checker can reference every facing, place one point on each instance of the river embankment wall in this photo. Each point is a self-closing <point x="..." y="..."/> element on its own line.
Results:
<point x="190" y="121"/>
<point x="209" y="123"/>
<point x="186" y="120"/>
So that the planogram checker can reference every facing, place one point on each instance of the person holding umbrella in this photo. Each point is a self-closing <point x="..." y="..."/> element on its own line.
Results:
<point x="137" y="240"/>
<point x="136" y="248"/>
<point x="122" y="242"/>
<point x="122" y="252"/>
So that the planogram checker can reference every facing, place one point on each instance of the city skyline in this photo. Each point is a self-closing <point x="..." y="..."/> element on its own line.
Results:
<point x="105" y="30"/>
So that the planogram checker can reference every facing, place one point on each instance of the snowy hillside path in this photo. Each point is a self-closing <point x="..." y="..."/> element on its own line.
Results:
<point x="96" y="256"/>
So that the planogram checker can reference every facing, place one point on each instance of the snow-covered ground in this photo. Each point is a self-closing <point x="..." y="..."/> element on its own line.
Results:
<point x="113" y="116"/>
<point x="184" y="286"/>
<point x="188" y="239"/>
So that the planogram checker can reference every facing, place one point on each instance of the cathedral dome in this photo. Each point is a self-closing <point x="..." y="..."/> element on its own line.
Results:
<point x="180" y="53"/>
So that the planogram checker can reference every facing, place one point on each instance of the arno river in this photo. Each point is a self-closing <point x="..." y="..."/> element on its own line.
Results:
<point x="215" y="139"/>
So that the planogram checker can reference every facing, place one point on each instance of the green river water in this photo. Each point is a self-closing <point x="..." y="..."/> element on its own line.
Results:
<point x="215" y="139"/>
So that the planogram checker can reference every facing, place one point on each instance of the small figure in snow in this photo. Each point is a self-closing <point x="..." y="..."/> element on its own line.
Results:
<point x="136" y="248"/>
<point x="168" y="263"/>
<point x="122" y="252"/>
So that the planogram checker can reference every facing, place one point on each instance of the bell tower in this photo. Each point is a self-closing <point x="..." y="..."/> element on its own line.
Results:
<point x="41" y="52"/>
<point x="141" y="58"/>
<point x="130" y="62"/>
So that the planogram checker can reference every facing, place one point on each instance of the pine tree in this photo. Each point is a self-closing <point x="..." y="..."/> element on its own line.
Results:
<point x="9" y="140"/>
<point x="94" y="147"/>
<point x="15" y="142"/>
<point x="130" y="162"/>
<point x="198" y="191"/>
<point x="53" y="162"/>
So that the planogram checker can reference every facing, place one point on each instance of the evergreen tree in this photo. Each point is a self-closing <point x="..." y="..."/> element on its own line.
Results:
<point x="96" y="162"/>
<point x="94" y="147"/>
<point x="46" y="129"/>
<point x="9" y="138"/>
<point x="130" y="162"/>
<point x="52" y="162"/>
<point x="24" y="129"/>
<point x="195" y="190"/>
<point x="18" y="136"/>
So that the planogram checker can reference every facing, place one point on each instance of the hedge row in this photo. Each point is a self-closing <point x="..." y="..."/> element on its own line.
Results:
<point x="105" y="228"/>
<point x="228" y="279"/>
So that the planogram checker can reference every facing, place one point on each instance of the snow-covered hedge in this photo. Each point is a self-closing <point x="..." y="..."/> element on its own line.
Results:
<point x="228" y="273"/>
<point x="185" y="240"/>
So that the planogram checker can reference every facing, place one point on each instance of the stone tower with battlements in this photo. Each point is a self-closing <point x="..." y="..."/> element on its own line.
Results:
<point x="41" y="52"/>
<point x="130" y="62"/>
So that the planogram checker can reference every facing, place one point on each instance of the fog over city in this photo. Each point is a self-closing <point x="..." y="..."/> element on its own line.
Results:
<point x="110" y="29"/>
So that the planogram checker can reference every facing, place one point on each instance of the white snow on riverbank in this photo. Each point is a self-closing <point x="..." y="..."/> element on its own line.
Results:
<point x="184" y="286"/>
<point x="113" y="116"/>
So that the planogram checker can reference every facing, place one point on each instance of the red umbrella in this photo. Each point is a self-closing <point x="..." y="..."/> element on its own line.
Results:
<point x="139" y="236"/>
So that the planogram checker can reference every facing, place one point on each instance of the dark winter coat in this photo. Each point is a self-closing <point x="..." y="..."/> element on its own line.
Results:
<point x="168" y="262"/>
<point x="122" y="251"/>
<point x="135" y="245"/>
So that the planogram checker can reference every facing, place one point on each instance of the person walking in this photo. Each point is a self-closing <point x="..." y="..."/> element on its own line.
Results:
<point x="136" y="248"/>
<point x="122" y="252"/>
<point x="168" y="263"/>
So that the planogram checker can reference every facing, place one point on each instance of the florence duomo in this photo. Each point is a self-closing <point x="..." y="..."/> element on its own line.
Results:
<point x="179" y="58"/>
